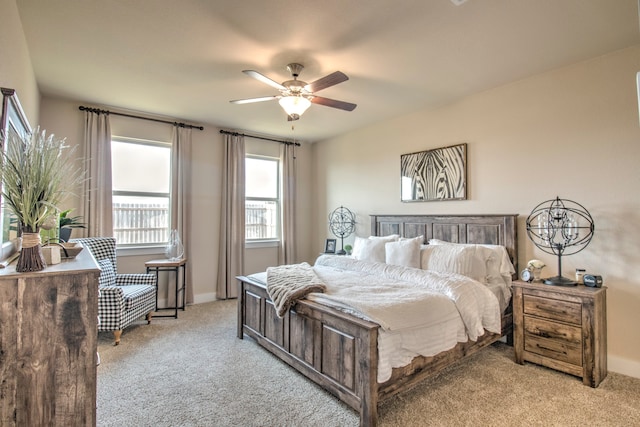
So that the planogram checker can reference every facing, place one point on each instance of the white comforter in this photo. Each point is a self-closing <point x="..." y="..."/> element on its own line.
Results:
<point x="420" y="312"/>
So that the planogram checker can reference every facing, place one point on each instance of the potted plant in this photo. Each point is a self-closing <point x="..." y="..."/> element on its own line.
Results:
<point x="35" y="171"/>
<point x="67" y="224"/>
<point x="348" y="249"/>
<point x="58" y="228"/>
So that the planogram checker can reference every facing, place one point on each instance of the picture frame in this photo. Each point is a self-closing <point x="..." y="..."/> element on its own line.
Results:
<point x="434" y="175"/>
<point x="330" y="246"/>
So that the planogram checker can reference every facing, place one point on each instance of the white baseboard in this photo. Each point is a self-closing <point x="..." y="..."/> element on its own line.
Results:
<point x="197" y="299"/>
<point x="202" y="298"/>
<point x="162" y="302"/>
<point x="623" y="366"/>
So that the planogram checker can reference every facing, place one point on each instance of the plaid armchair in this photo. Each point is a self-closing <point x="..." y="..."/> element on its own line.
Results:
<point x="123" y="298"/>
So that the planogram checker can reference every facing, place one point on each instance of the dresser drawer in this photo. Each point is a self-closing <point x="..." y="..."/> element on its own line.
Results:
<point x="563" y="311"/>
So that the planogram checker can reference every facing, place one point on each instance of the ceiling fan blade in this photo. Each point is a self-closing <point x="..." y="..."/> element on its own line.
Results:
<point x="264" y="79"/>
<point x="326" y="81"/>
<point x="250" y="100"/>
<point x="333" y="103"/>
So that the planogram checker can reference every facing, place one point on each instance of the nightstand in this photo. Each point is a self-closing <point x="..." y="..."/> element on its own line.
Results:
<point x="563" y="328"/>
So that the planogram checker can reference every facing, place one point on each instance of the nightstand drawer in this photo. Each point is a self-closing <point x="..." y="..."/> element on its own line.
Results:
<point x="535" y="327"/>
<point x="554" y="349"/>
<point x="563" y="311"/>
<point x="554" y="340"/>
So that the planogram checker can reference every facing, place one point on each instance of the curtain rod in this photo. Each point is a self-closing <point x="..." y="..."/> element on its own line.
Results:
<point x="98" y="111"/>
<point x="297" y="144"/>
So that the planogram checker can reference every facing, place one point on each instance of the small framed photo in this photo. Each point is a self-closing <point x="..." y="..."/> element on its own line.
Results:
<point x="330" y="246"/>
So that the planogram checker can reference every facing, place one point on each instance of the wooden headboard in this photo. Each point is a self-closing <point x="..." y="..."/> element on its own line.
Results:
<point x="487" y="229"/>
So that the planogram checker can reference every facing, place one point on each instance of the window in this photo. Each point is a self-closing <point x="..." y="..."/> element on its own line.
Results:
<point x="141" y="176"/>
<point x="262" y="198"/>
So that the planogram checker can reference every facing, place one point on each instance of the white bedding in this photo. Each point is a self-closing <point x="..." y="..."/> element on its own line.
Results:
<point x="420" y="312"/>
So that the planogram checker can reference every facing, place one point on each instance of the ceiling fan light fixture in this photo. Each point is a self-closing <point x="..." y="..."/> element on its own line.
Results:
<point x="296" y="95"/>
<point x="294" y="106"/>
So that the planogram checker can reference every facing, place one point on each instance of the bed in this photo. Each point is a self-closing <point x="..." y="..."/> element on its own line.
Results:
<point x="339" y="351"/>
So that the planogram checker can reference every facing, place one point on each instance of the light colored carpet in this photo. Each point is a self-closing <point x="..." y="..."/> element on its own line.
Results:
<point x="193" y="371"/>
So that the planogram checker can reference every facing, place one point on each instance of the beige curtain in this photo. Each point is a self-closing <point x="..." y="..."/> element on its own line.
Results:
<point x="232" y="232"/>
<point x="97" y="204"/>
<point x="181" y="194"/>
<point x="287" y="250"/>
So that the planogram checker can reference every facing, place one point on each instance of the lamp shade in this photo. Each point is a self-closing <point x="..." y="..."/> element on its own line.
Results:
<point x="295" y="106"/>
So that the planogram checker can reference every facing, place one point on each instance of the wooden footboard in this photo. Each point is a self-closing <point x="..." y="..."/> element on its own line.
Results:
<point x="337" y="351"/>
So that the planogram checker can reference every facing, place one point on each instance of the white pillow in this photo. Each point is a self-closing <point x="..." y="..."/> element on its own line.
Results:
<point x="497" y="263"/>
<point x="357" y="247"/>
<point x="389" y="238"/>
<point x="371" y="248"/>
<point x="419" y="238"/>
<point x="453" y="259"/>
<point x="405" y="252"/>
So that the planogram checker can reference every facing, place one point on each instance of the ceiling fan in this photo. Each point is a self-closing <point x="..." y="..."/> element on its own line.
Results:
<point x="296" y="95"/>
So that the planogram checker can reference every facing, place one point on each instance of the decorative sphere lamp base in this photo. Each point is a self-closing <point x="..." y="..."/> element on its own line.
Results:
<point x="342" y="223"/>
<point x="560" y="227"/>
<point x="559" y="281"/>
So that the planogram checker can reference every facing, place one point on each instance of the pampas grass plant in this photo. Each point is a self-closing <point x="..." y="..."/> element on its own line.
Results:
<point x="36" y="171"/>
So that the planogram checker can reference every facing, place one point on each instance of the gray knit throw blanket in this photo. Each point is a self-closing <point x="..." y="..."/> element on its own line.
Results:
<point x="286" y="284"/>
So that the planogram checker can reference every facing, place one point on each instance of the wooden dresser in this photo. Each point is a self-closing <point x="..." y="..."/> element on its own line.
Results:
<point x="48" y="344"/>
<point x="564" y="328"/>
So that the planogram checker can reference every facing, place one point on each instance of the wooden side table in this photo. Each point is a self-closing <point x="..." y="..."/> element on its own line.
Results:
<point x="563" y="328"/>
<point x="158" y="265"/>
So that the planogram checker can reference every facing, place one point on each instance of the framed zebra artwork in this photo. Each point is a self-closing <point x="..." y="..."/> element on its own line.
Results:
<point x="438" y="174"/>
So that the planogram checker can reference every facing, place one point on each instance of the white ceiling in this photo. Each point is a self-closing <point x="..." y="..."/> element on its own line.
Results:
<point x="184" y="59"/>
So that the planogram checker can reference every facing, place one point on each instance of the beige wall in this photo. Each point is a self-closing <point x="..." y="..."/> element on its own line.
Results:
<point x="16" y="71"/>
<point x="572" y="132"/>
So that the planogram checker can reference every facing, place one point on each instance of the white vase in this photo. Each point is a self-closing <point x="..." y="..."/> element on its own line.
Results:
<point x="174" y="249"/>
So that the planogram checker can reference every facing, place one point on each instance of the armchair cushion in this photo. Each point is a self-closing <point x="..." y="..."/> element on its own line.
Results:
<point x="138" y="296"/>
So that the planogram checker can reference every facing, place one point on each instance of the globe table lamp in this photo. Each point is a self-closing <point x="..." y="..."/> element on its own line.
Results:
<point x="342" y="222"/>
<point x="560" y="227"/>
